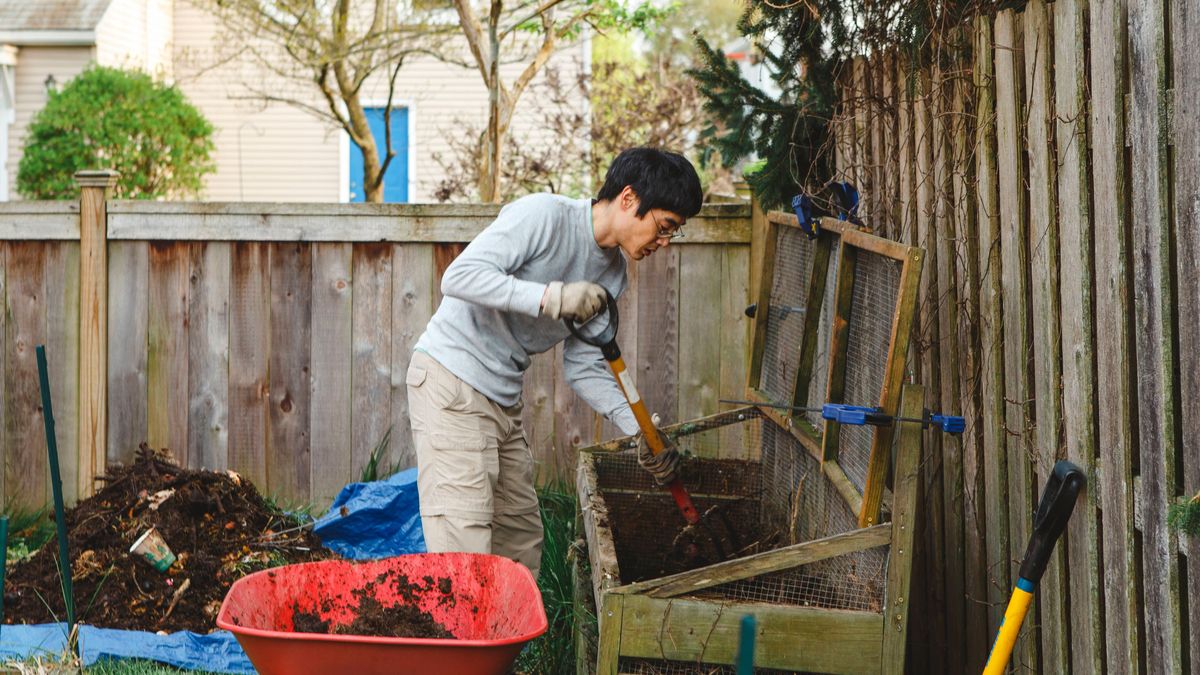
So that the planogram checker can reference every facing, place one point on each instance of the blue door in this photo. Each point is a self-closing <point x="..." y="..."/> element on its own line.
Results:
<point x="395" y="181"/>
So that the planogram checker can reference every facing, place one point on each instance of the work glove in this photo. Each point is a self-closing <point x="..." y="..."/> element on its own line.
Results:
<point x="665" y="465"/>
<point x="577" y="301"/>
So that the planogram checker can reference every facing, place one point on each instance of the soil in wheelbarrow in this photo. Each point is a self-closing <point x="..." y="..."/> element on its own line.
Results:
<point x="372" y="618"/>
<point x="217" y="524"/>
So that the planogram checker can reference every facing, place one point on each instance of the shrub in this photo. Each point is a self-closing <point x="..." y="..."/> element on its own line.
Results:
<point x="112" y="118"/>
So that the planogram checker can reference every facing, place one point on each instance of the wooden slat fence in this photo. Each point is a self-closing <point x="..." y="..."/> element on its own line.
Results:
<point x="1049" y="162"/>
<point x="273" y="339"/>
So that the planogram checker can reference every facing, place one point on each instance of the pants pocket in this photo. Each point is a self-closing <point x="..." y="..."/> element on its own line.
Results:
<point x="457" y="476"/>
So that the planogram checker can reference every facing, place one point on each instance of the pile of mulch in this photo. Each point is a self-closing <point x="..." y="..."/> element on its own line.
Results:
<point x="217" y="524"/>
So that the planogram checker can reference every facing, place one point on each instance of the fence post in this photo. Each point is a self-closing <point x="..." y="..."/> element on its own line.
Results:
<point x="95" y="188"/>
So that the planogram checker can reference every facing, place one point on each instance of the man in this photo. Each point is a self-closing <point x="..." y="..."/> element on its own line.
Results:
<point x="545" y="259"/>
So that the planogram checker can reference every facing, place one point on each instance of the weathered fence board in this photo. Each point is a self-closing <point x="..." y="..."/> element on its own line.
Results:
<point x="412" y="306"/>
<point x="26" y="475"/>
<point x="371" y="382"/>
<point x="167" y="348"/>
<point x="1045" y="313"/>
<point x="330" y="431"/>
<point x="1078" y="337"/>
<point x="992" y="408"/>
<point x="128" y="274"/>
<point x="965" y="250"/>
<point x="949" y="361"/>
<point x="1114" y="384"/>
<point x="208" y="356"/>
<point x="289" y="367"/>
<point x="1154" y="323"/>
<point x="1185" y="126"/>
<point x="249" y="350"/>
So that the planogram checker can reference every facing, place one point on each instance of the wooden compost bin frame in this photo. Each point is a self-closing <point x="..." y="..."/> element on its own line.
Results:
<point x="656" y="619"/>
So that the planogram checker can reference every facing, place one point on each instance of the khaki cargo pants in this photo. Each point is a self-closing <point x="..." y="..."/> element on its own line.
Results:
<point x="474" y="468"/>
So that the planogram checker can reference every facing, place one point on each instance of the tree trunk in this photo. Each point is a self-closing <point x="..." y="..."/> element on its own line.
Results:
<point x="492" y="142"/>
<point x="371" y="194"/>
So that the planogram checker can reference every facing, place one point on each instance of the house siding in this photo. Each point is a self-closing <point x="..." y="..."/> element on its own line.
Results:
<point x="136" y="34"/>
<point x="288" y="154"/>
<point x="33" y="66"/>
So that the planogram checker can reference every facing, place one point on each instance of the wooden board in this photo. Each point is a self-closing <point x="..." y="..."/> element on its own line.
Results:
<point x="1045" y="313"/>
<point x="1186" y="129"/>
<point x="62" y="356"/>
<point x="290" y="444"/>
<point x="371" y="383"/>
<point x="249" y="351"/>
<point x="1156" y="358"/>
<point x="167" y="348"/>
<point x="412" y="307"/>
<point x="966" y="259"/>
<point x="995" y="467"/>
<point x="657" y="365"/>
<point x="949" y="365"/>
<point x="1113" y="385"/>
<point x="329" y="424"/>
<point x="905" y="512"/>
<point x="538" y="417"/>
<point x="930" y="581"/>
<point x="735" y="346"/>
<point x="700" y="352"/>
<point x="26" y="474"/>
<point x="278" y="222"/>
<point x="128" y="266"/>
<point x="208" y="356"/>
<point x="1078" y="335"/>
<point x="1014" y="242"/>
<point x="795" y="638"/>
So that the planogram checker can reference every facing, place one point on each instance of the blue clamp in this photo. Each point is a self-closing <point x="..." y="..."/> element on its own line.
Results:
<point x="802" y="204"/>
<point x="950" y="424"/>
<point x="843" y="195"/>
<point x="857" y="415"/>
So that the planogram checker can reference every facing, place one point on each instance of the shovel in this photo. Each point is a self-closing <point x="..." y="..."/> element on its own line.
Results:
<point x="1053" y="512"/>
<point x="698" y="533"/>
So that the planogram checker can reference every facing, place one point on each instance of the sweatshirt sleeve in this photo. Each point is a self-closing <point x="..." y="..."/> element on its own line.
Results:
<point x="589" y="375"/>
<point x="483" y="273"/>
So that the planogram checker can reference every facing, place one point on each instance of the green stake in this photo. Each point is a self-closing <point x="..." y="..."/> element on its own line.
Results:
<point x="60" y="516"/>
<point x="3" y="563"/>
<point x="745" y="652"/>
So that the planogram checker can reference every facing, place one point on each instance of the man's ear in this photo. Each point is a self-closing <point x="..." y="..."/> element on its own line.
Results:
<point x="628" y="198"/>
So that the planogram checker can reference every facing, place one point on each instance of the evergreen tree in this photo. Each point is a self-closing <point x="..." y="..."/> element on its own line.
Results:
<point x="806" y="44"/>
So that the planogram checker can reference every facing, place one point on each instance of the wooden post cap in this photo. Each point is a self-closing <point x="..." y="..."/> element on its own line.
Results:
<point x="101" y="178"/>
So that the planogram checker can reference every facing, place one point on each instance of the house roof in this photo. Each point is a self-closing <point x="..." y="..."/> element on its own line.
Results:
<point x="23" y="15"/>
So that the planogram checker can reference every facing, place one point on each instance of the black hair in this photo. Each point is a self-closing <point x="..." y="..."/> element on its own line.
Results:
<point x="661" y="179"/>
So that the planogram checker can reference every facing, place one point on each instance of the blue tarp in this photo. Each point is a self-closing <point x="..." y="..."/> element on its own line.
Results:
<point x="217" y="652"/>
<point x="374" y="520"/>
<point x="367" y="520"/>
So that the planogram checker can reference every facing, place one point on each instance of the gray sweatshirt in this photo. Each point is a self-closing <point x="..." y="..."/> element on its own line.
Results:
<point x="489" y="322"/>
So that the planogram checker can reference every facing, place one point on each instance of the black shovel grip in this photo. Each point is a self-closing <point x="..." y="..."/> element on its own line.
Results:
<point x="1053" y="512"/>
<point x="607" y="339"/>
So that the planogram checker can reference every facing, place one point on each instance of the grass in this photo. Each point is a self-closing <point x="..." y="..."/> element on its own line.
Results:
<point x="27" y="532"/>
<point x="554" y="652"/>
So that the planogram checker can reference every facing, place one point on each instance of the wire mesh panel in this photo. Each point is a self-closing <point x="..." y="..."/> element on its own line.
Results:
<point x="781" y="500"/>
<point x="785" y="318"/>
<point x="819" y="381"/>
<point x="872" y="314"/>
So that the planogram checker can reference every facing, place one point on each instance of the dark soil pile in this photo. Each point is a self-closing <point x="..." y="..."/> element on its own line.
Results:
<point x="375" y="619"/>
<point x="653" y="540"/>
<point x="217" y="524"/>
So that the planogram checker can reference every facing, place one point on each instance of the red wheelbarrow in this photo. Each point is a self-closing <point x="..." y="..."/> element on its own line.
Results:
<point x="490" y="604"/>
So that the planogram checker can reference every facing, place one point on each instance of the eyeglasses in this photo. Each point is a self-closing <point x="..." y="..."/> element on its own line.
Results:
<point x="671" y="232"/>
